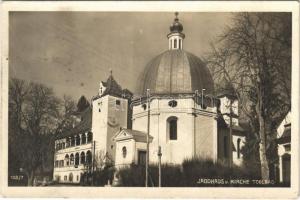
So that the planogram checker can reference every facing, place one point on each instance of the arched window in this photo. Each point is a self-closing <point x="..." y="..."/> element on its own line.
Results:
<point x="124" y="152"/>
<point x="88" y="157"/>
<point x="77" y="159"/>
<point x="72" y="141"/>
<point x="239" y="148"/>
<point x="67" y="160"/>
<point x="71" y="177"/>
<point x="83" y="138"/>
<point x="61" y="163"/>
<point x="175" y="43"/>
<point x="77" y="140"/>
<point x="82" y="158"/>
<point x="63" y="145"/>
<point x="90" y="136"/>
<point x="179" y="43"/>
<point x="172" y="128"/>
<point x="71" y="159"/>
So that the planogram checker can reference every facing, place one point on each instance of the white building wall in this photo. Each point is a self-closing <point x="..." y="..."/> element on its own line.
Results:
<point x="122" y="161"/>
<point x="225" y="108"/>
<point x="107" y="122"/>
<point x="173" y="151"/>
<point x="99" y="123"/>
<point x="206" y="137"/>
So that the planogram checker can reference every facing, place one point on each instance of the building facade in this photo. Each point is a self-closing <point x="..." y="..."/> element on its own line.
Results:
<point x="284" y="149"/>
<point x="176" y="103"/>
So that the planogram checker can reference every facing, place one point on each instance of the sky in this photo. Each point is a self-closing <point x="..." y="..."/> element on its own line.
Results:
<point x="72" y="52"/>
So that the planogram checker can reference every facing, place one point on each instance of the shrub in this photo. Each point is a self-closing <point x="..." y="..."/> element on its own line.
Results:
<point x="171" y="175"/>
<point x="98" y="178"/>
<point x="197" y="168"/>
<point x="102" y="177"/>
<point x="186" y="175"/>
<point x="132" y="176"/>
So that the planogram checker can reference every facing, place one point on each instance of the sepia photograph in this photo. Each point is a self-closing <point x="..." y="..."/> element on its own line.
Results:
<point x="150" y="99"/>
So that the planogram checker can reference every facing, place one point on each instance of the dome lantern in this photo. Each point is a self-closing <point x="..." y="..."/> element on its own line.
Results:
<point x="176" y="36"/>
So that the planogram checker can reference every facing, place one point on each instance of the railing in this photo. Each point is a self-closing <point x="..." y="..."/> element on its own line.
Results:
<point x="67" y="147"/>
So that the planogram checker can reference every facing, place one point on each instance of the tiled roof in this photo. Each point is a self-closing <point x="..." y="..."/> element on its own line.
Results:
<point x="114" y="89"/>
<point x="138" y="136"/>
<point x="83" y="126"/>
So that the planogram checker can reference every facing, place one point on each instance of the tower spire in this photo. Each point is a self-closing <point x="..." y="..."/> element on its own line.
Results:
<point x="176" y="15"/>
<point x="176" y="36"/>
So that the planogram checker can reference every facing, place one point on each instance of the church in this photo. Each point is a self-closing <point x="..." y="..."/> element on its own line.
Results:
<point x="176" y="105"/>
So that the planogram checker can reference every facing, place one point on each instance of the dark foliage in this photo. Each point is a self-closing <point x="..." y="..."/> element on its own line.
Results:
<point x="35" y="116"/>
<point x="186" y="175"/>
<point x="134" y="176"/>
<point x="98" y="178"/>
<point x="82" y="104"/>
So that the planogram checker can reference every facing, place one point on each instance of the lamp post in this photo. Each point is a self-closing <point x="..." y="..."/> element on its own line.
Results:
<point x="202" y="93"/>
<point x="148" y="133"/>
<point x="159" y="154"/>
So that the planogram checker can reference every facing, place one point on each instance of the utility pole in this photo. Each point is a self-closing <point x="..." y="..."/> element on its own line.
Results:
<point x="93" y="161"/>
<point x="148" y="133"/>
<point x="159" y="154"/>
<point x="202" y="93"/>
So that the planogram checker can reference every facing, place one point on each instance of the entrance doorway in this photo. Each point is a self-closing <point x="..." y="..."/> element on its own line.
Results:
<point x="286" y="168"/>
<point x="141" y="157"/>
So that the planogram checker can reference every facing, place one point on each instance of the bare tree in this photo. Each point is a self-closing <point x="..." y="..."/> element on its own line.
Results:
<point x="36" y="110"/>
<point x="253" y="55"/>
<point x="65" y="119"/>
<point x="101" y="160"/>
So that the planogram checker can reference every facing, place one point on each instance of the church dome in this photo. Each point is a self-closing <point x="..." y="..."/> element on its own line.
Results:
<point x="176" y="72"/>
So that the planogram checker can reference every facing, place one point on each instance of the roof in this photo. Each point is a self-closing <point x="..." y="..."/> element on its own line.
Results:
<point x="175" y="72"/>
<point x="237" y="128"/>
<point x="176" y="26"/>
<point x="114" y="89"/>
<point x="83" y="126"/>
<point x="286" y="135"/>
<point x="125" y="134"/>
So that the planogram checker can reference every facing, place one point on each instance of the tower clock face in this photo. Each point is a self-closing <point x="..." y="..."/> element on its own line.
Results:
<point x="112" y="121"/>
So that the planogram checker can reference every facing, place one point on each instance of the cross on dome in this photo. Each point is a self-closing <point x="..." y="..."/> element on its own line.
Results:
<point x="176" y="15"/>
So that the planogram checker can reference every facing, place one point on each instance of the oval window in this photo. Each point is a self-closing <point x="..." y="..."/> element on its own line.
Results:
<point x="124" y="152"/>
<point x="172" y="103"/>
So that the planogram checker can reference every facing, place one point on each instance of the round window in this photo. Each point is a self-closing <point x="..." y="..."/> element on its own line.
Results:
<point x="172" y="103"/>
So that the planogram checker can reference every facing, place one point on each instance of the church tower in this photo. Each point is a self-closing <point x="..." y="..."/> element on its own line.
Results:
<point x="110" y="113"/>
<point x="176" y="36"/>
